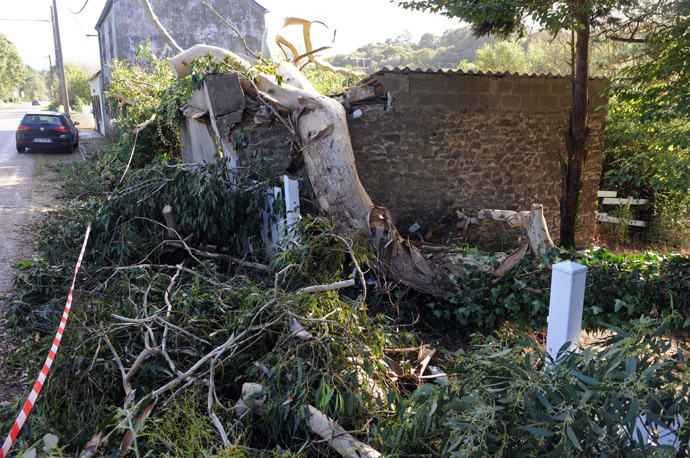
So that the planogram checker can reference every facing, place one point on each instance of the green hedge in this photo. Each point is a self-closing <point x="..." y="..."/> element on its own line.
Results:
<point x="619" y="288"/>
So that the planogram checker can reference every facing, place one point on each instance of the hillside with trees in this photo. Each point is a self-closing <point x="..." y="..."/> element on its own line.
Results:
<point x="445" y="51"/>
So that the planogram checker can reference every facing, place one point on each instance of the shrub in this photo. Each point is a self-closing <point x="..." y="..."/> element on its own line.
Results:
<point x="619" y="288"/>
<point x="503" y="402"/>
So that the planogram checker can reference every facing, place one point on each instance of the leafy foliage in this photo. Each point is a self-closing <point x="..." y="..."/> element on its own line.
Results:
<point x="514" y="17"/>
<point x="78" y="89"/>
<point x="12" y="71"/>
<point x="505" y="400"/>
<point x="207" y="306"/>
<point x="619" y="288"/>
<point x="325" y="81"/>
<point x="139" y="91"/>
<point x="653" y="97"/>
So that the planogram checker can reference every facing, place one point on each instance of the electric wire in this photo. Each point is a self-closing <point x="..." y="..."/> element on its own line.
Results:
<point x="82" y="8"/>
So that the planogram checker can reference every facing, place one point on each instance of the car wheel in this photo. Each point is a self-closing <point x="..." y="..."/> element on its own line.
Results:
<point x="21" y="149"/>
<point x="69" y="149"/>
<point x="76" y="145"/>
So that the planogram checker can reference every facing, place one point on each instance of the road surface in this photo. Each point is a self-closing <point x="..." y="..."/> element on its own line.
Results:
<point x="28" y="188"/>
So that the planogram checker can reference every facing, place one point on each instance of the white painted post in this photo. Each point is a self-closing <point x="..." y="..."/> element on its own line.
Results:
<point x="291" y="200"/>
<point x="565" y="307"/>
<point x="268" y="230"/>
<point x="279" y="228"/>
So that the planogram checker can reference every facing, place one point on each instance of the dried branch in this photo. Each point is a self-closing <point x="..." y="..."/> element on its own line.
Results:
<point x="328" y="287"/>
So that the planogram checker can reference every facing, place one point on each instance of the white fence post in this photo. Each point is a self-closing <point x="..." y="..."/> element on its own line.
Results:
<point x="274" y="232"/>
<point x="565" y="307"/>
<point x="291" y="200"/>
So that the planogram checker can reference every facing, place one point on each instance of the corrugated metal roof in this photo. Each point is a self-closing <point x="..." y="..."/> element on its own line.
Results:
<point x="477" y="73"/>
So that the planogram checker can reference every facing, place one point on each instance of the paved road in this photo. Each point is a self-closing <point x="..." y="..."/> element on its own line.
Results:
<point x="27" y="188"/>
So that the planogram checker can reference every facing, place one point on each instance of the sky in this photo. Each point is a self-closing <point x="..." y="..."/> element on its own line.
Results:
<point x="357" y="23"/>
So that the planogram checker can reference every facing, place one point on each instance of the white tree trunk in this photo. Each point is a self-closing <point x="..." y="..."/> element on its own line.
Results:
<point x="533" y="221"/>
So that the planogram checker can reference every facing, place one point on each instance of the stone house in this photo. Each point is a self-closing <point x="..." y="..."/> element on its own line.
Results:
<point x="122" y="25"/>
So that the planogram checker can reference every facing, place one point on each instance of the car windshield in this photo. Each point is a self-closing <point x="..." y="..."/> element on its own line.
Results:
<point x="43" y="120"/>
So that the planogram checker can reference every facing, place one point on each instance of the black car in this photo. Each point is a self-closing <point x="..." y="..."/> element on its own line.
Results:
<point x="47" y="129"/>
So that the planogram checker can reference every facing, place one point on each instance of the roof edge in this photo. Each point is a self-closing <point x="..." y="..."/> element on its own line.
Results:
<point x="104" y="14"/>
<point x="256" y="5"/>
<point x="478" y="73"/>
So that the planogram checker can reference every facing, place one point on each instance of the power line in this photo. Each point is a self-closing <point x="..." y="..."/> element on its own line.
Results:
<point x="24" y="20"/>
<point x="82" y="8"/>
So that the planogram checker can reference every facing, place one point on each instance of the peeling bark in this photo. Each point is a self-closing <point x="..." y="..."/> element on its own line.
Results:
<point x="532" y="221"/>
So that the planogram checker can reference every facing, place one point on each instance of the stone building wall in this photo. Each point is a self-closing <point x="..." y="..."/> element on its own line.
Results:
<point x="469" y="141"/>
<point x="188" y="22"/>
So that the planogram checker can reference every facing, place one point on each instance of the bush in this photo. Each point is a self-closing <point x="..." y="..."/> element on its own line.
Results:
<point x="504" y="402"/>
<point x="619" y="288"/>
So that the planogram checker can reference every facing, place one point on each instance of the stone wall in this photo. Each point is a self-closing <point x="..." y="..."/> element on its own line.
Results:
<point x="187" y="22"/>
<point x="469" y="141"/>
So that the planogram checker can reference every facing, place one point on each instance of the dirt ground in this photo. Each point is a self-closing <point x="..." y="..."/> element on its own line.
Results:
<point x="29" y="189"/>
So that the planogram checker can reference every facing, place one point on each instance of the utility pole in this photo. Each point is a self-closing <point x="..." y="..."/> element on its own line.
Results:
<point x="52" y="75"/>
<point x="59" y="63"/>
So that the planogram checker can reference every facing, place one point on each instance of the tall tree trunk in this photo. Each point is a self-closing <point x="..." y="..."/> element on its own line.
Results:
<point x="577" y="132"/>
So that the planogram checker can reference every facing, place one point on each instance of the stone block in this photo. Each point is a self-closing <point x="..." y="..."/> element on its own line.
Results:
<point x="226" y="122"/>
<point x="427" y="82"/>
<point x="396" y="83"/>
<point x="361" y="93"/>
<point x="224" y="93"/>
<point x="510" y="102"/>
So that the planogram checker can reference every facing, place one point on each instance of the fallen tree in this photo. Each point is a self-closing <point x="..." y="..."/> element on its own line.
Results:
<point x="320" y="126"/>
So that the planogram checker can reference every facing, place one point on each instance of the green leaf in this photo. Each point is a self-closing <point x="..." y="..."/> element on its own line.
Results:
<point x="632" y="412"/>
<point x="500" y="353"/>
<point x="538" y="431"/>
<point x="584" y="378"/>
<point x="573" y="438"/>
<point x="545" y="402"/>
<point x="631" y="365"/>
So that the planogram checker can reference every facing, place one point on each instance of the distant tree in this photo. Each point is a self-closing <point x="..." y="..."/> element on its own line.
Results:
<point x="548" y="54"/>
<point x="503" y="56"/>
<point x="428" y="40"/>
<point x="77" y="85"/>
<point x="12" y="71"/>
<point x="432" y="51"/>
<point x="35" y="84"/>
<point x="405" y="37"/>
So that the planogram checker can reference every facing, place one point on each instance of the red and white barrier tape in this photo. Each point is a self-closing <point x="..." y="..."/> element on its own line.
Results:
<point x="19" y="422"/>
